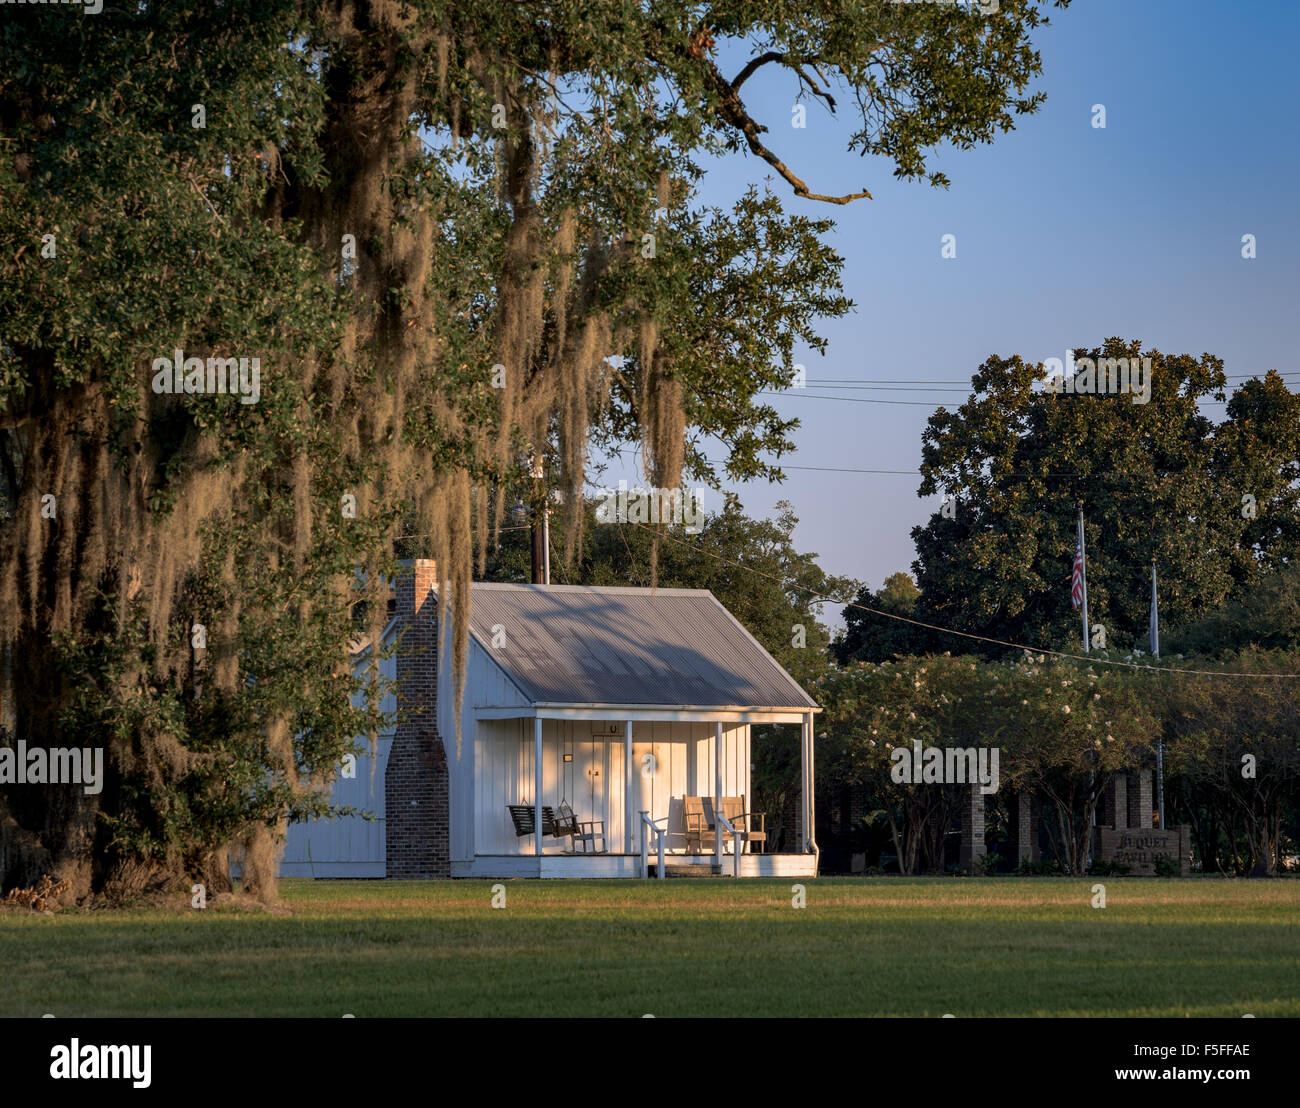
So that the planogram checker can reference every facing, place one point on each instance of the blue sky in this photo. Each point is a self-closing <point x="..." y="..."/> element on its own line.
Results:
<point x="1065" y="234"/>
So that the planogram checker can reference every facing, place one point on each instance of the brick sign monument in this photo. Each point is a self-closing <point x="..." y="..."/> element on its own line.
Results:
<point x="1126" y="835"/>
<point x="1139" y="848"/>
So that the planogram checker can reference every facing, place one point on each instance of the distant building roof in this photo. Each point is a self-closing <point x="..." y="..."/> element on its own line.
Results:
<point x="575" y="644"/>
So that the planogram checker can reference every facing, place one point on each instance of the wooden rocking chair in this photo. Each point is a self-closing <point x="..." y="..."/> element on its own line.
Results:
<point x="733" y="807"/>
<point x="699" y="825"/>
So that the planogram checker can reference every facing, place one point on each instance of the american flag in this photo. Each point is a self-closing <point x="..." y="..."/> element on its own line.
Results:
<point x="1076" y="579"/>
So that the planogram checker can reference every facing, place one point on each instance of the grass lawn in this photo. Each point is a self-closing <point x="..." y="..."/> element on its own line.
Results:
<point x="861" y="947"/>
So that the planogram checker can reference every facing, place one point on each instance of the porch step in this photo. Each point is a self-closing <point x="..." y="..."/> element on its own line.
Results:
<point x="712" y="870"/>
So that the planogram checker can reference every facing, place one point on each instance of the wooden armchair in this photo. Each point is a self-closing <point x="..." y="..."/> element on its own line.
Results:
<point x="699" y="824"/>
<point x="733" y="807"/>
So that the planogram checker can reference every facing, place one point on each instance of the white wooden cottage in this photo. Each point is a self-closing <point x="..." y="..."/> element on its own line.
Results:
<point x="629" y="708"/>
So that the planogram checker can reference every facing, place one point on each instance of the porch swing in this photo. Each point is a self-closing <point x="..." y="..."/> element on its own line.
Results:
<point x="524" y="818"/>
<point x="561" y="824"/>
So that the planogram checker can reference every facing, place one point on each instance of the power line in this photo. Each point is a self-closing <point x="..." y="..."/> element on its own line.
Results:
<point x="1052" y="476"/>
<point x="964" y="634"/>
<point x="883" y="388"/>
<point x="845" y="399"/>
<point x="965" y="383"/>
<point x="846" y="469"/>
<point x="916" y="403"/>
<point x="1096" y="473"/>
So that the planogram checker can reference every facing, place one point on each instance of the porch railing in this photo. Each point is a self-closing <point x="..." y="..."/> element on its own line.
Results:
<point x="737" y="841"/>
<point x="660" y="832"/>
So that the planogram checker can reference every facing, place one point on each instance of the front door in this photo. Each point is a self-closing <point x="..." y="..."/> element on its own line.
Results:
<point x="592" y="773"/>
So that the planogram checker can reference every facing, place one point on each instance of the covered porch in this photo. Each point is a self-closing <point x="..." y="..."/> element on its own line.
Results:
<point x="634" y="779"/>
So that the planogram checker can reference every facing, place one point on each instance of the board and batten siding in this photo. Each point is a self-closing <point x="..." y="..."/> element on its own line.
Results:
<point x="486" y="686"/>
<point x="347" y="847"/>
<point x="351" y="846"/>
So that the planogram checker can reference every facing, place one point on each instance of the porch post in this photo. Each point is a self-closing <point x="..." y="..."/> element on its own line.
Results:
<point x="810" y="792"/>
<point x="717" y="793"/>
<point x="805" y="776"/>
<point x="627" y="787"/>
<point x="537" y="784"/>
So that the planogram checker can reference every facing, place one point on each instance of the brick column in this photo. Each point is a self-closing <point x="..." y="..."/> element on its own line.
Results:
<point x="1117" y="802"/>
<point x="857" y="805"/>
<point x="1026" y="828"/>
<point x="1139" y="800"/>
<point x="416" y="803"/>
<point x="972" y="828"/>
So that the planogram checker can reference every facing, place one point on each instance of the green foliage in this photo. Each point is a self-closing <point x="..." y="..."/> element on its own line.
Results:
<point x="1157" y="480"/>
<point x="869" y="636"/>
<point x="1266" y="616"/>
<point x="1233" y="747"/>
<point x="1062" y="730"/>
<point x="899" y="592"/>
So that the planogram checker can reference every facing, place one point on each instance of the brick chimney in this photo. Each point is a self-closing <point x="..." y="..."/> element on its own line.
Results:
<point x="416" y="809"/>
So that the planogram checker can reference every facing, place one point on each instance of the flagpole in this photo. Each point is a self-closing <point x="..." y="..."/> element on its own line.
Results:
<point x="1160" y="739"/>
<point x="1083" y="551"/>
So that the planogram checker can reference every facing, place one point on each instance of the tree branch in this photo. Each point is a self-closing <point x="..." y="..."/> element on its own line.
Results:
<point x="812" y="85"/>
<point x="753" y="64"/>
<point x="732" y="109"/>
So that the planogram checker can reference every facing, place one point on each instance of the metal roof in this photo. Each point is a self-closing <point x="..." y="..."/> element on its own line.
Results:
<point x="576" y="644"/>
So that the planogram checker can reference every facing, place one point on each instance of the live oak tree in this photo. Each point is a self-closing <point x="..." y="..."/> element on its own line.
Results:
<point x="426" y="220"/>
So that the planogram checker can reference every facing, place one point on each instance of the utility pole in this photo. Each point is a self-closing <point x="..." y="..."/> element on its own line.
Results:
<point x="541" y="522"/>
<point x="1160" y="739"/>
<point x="1083" y="569"/>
